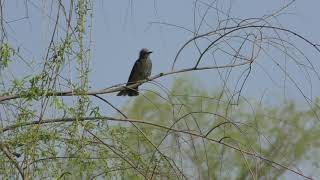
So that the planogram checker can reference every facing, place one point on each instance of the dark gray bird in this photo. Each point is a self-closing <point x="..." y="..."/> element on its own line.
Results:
<point x="140" y="71"/>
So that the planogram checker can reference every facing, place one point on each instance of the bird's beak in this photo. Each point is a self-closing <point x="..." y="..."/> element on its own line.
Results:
<point x="149" y="52"/>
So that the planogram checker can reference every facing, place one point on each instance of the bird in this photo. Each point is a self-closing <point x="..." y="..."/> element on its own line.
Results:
<point x="141" y="70"/>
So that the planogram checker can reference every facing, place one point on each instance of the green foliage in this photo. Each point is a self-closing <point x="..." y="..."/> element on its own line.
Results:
<point x="123" y="150"/>
<point x="5" y="53"/>
<point x="280" y="134"/>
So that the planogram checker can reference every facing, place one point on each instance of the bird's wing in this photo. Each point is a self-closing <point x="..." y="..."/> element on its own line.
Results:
<point x="134" y="75"/>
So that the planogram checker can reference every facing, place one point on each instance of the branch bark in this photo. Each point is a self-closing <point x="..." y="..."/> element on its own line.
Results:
<point x="119" y="87"/>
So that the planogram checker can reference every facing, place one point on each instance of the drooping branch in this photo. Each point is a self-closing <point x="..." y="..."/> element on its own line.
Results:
<point x="49" y="121"/>
<point x="232" y="30"/>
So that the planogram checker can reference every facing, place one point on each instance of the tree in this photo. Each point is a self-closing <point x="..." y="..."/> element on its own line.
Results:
<point x="54" y="125"/>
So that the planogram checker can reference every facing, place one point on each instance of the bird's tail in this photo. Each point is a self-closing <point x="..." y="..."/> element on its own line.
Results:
<point x="129" y="92"/>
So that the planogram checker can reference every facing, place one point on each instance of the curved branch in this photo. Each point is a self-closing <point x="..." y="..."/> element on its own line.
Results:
<point x="234" y="29"/>
<point x="48" y="121"/>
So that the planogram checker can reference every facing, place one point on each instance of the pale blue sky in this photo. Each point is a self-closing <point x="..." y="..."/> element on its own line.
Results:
<point x="121" y="29"/>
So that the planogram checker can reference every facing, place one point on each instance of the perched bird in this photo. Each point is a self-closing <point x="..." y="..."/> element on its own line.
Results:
<point x="140" y="71"/>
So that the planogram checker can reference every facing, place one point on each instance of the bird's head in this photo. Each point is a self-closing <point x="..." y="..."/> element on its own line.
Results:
<point x="144" y="53"/>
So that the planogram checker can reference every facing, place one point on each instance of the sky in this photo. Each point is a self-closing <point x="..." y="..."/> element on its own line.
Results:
<point x="122" y="27"/>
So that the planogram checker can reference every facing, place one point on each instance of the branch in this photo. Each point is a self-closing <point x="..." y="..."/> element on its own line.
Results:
<point x="234" y="29"/>
<point x="119" y="87"/>
<point x="10" y="156"/>
<point x="48" y="121"/>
